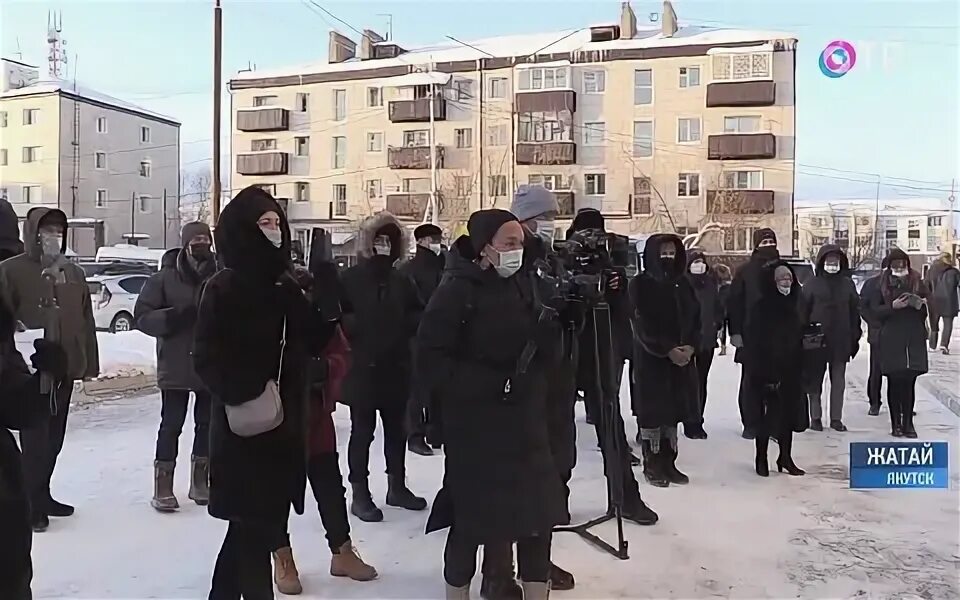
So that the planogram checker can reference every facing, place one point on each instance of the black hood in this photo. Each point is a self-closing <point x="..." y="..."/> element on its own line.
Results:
<point x="461" y="261"/>
<point x="169" y="259"/>
<point x="10" y="244"/>
<point x="763" y="233"/>
<point x="651" y="257"/>
<point x="242" y="245"/>
<point x="587" y="218"/>
<point x="31" y="229"/>
<point x="897" y="254"/>
<point x="383" y="223"/>
<point x="827" y="250"/>
<point x="768" y="281"/>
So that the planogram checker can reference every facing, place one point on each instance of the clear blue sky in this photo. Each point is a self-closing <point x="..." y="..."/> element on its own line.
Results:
<point x="897" y="117"/>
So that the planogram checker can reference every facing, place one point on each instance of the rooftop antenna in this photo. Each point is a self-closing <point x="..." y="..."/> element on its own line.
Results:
<point x="56" y="56"/>
<point x="389" y="24"/>
<point x="19" y="53"/>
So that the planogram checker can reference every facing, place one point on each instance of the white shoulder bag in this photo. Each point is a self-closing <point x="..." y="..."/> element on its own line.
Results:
<point x="265" y="412"/>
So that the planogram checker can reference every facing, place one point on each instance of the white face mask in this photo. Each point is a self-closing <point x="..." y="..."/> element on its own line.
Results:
<point x="785" y="290"/>
<point x="698" y="268"/>
<point x="274" y="236"/>
<point x="435" y="248"/>
<point x="51" y="244"/>
<point x="900" y="272"/>
<point x="508" y="262"/>
<point x="546" y="231"/>
<point x="381" y="248"/>
<point x="831" y="268"/>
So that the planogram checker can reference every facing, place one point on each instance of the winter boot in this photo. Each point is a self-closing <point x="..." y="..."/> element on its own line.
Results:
<point x="535" y="590"/>
<point x="638" y="512"/>
<point x="785" y="460"/>
<point x="199" y="480"/>
<point x="874" y="410"/>
<point x="346" y="562"/>
<point x="418" y="445"/>
<point x="500" y="587"/>
<point x="398" y="494"/>
<point x="457" y="593"/>
<point x="652" y="465"/>
<point x="837" y="425"/>
<point x="163" y="498"/>
<point x="560" y="579"/>
<point x="896" y="418"/>
<point x="58" y="509"/>
<point x="816" y="424"/>
<point x="671" y="472"/>
<point x="285" y="573"/>
<point x="909" y="431"/>
<point x="39" y="521"/>
<point x="763" y="468"/>
<point x="362" y="506"/>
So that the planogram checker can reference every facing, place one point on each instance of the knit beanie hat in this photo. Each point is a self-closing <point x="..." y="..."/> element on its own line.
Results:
<point x="427" y="230"/>
<point x="532" y="201"/>
<point x="762" y="234"/>
<point x="192" y="230"/>
<point x="484" y="224"/>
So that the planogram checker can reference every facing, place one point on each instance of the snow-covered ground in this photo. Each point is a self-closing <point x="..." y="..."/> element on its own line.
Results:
<point x="728" y="534"/>
<point x="125" y="353"/>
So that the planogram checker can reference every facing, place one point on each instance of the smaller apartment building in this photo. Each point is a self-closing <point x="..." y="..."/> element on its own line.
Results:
<point x="663" y="129"/>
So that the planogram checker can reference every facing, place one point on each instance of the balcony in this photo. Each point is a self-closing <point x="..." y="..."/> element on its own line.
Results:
<point x="568" y="208"/>
<point x="741" y="93"/>
<point x="546" y="101"/>
<point x="740" y="202"/>
<point x="268" y="118"/>
<point x="413" y="157"/>
<point x="454" y="207"/>
<point x="263" y="163"/>
<point x="417" y="111"/>
<point x="741" y="146"/>
<point x="546" y="153"/>
<point x="408" y="206"/>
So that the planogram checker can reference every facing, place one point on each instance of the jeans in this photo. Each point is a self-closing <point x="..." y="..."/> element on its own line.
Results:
<point x="323" y="473"/>
<point x="945" y="332"/>
<point x="363" y="423"/>
<point x="243" y="566"/>
<point x="875" y="379"/>
<point x="838" y="383"/>
<point x="41" y="445"/>
<point x="173" y="414"/>
<point x="460" y="558"/>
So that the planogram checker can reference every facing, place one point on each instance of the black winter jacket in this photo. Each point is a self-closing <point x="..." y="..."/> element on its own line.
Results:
<point x="831" y="299"/>
<point x="945" y="293"/>
<point x="903" y="332"/>
<point x="745" y="292"/>
<point x="873" y="325"/>
<point x="707" y="290"/>
<point x="425" y="269"/>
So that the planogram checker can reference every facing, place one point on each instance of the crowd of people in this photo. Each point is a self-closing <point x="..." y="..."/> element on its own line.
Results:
<point x="463" y="348"/>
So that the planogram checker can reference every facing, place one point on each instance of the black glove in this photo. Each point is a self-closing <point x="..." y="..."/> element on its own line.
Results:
<point x="49" y="358"/>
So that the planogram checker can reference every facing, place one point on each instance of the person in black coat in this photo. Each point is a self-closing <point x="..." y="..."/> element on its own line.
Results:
<point x="772" y="353"/>
<point x="706" y="287"/>
<point x="830" y="299"/>
<point x="943" y="281"/>
<point x="725" y="279"/>
<point x="167" y="310"/>
<point x="381" y="309"/>
<point x="500" y="481"/>
<point x="425" y="269"/>
<point x="667" y="330"/>
<point x="744" y="293"/>
<point x="254" y="326"/>
<point x="875" y="377"/>
<point x="898" y="305"/>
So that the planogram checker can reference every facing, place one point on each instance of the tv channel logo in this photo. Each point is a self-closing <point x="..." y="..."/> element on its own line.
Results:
<point x="837" y="59"/>
<point x="899" y="465"/>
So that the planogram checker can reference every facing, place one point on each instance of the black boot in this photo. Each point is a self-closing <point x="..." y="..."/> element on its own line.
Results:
<point x="694" y="431"/>
<point x="39" y="521"/>
<point x="399" y="495"/>
<point x="816" y="424"/>
<point x="785" y="460"/>
<point x="560" y="579"/>
<point x="874" y="410"/>
<point x="58" y="509"/>
<point x="652" y="466"/>
<point x="909" y="431"/>
<point x="896" y="417"/>
<point x="837" y="425"/>
<point x="362" y="506"/>
<point x="638" y="512"/>
<point x="748" y="433"/>
<point x="199" y="480"/>
<point x="418" y="445"/>
<point x="163" y="498"/>
<point x="760" y="461"/>
<point x="500" y="587"/>
<point x="671" y="472"/>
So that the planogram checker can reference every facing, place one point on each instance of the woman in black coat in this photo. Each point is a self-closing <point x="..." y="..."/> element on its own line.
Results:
<point x="667" y="331"/>
<point x="897" y="304"/>
<point x="772" y="353"/>
<point x="500" y="481"/>
<point x="253" y="317"/>
<point x="705" y="285"/>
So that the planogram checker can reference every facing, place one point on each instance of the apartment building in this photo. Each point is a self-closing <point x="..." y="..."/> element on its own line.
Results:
<point x="663" y="129"/>
<point x="923" y="229"/>
<point x="111" y="166"/>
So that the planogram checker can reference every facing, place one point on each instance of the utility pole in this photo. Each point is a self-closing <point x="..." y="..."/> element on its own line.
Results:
<point x="217" y="60"/>
<point x="876" y="225"/>
<point x="434" y="205"/>
<point x="133" y="219"/>
<point x="165" y="218"/>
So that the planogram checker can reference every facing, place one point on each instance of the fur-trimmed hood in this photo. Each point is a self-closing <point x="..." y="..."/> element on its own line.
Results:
<point x="399" y="236"/>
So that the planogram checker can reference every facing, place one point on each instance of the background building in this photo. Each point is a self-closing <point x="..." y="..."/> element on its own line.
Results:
<point x="111" y="166"/>
<point x="662" y="129"/>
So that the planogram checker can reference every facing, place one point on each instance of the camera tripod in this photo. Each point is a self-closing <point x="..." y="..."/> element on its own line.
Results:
<point x="608" y="396"/>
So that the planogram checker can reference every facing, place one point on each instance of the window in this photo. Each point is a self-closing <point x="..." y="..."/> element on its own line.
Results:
<point x="416" y="138"/>
<point x="145" y="168"/>
<point x="302" y="102"/>
<point x="264" y="100"/>
<point x="464" y="185"/>
<point x="339" y="105"/>
<point x="263" y="144"/>
<point x="498" y="185"/>
<point x="31" y="194"/>
<point x="100" y="160"/>
<point x="543" y="78"/>
<point x="464" y="138"/>
<point x="301" y="191"/>
<point x="145" y="135"/>
<point x="132" y="285"/>
<point x="689" y="77"/>
<point x="890" y="234"/>
<point x="374" y="141"/>
<point x="643" y="86"/>
<point x="642" y="196"/>
<point x="416" y="185"/>
<point x="301" y="146"/>
<point x="3" y="118"/>
<point x="3" y="157"/>
<point x="421" y="91"/>
<point x="101" y="199"/>
<point x="743" y="180"/>
<point x="913" y="234"/>
<point x="593" y="133"/>
<point x="551" y="182"/>
<point x="751" y="65"/>
<point x="339" y="199"/>
<point x="543" y="127"/>
<point x="688" y="131"/>
<point x="464" y="89"/>
<point x="101" y="124"/>
<point x="738" y="240"/>
<point x="374" y="188"/>
<point x="841" y="234"/>
<point x="339" y="152"/>
<point x="374" y="97"/>
<point x="934" y="221"/>
<point x="643" y="139"/>
<point x="497" y="87"/>
<point x="594" y="82"/>
<point x="688" y="185"/>
<point x="595" y="184"/>
<point x="497" y="135"/>
<point x="144" y="203"/>
<point x="31" y="116"/>
<point x="31" y="154"/>
<point x="741" y="124"/>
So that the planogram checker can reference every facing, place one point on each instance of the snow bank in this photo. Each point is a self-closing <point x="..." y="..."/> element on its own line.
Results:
<point x="127" y="353"/>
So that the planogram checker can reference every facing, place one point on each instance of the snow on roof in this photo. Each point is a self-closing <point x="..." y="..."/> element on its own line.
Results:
<point x="571" y="40"/>
<point x="412" y="79"/>
<point x="67" y="87"/>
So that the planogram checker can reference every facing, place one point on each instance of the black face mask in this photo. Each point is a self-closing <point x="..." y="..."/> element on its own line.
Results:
<point x="201" y="252"/>
<point x="667" y="263"/>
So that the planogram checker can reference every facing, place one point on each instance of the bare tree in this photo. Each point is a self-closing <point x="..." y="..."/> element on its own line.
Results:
<point x="195" y="196"/>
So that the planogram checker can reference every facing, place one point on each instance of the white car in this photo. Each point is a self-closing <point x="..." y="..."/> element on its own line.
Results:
<point x="113" y="298"/>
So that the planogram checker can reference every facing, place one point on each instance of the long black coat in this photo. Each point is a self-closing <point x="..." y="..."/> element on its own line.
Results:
<point x="831" y="299"/>
<point x="666" y="316"/>
<point x="166" y="309"/>
<point x="426" y="270"/>
<point x="902" y="339"/>
<point x="500" y="480"/>
<point x="707" y="290"/>
<point x="745" y="292"/>
<point x="238" y="349"/>
<point x="873" y="324"/>
<point x="944" y="299"/>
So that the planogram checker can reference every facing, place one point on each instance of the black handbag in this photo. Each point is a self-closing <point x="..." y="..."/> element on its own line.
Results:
<point x="813" y="337"/>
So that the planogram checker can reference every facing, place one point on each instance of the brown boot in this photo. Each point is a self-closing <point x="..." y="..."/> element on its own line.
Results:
<point x="347" y="563"/>
<point x="199" y="480"/>
<point x="285" y="573"/>
<point x="163" y="498"/>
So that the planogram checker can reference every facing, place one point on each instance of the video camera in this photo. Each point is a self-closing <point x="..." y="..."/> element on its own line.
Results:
<point x="584" y="264"/>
